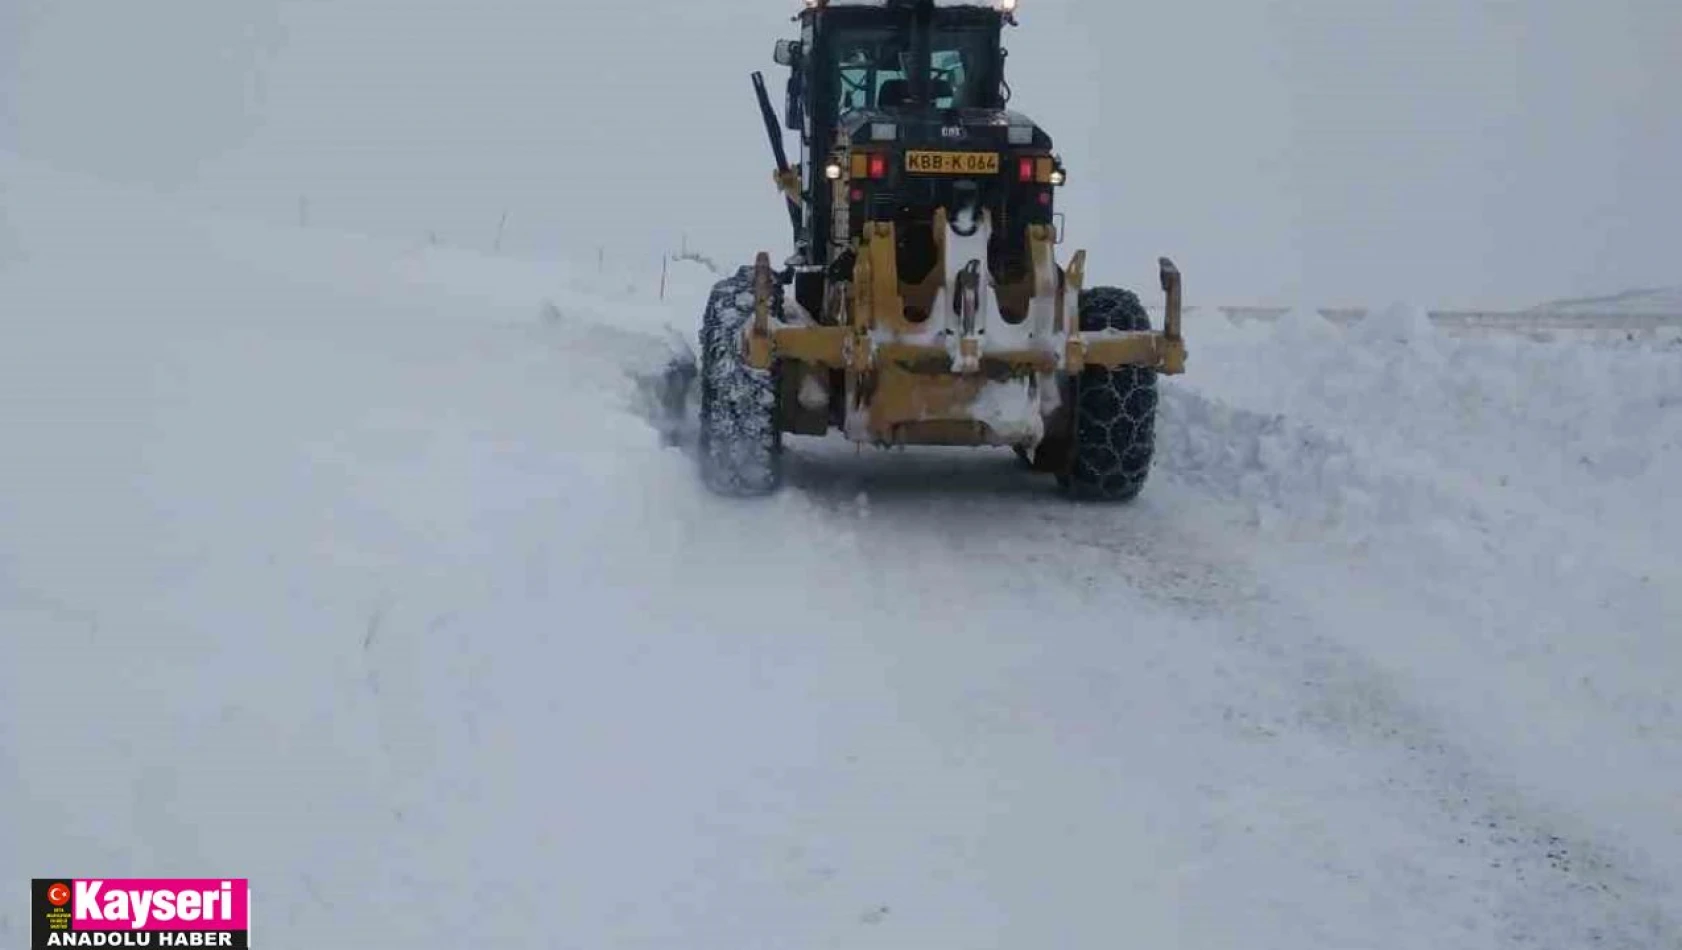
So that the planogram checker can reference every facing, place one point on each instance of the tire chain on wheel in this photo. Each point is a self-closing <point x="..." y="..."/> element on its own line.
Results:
<point x="741" y="441"/>
<point x="1114" y="409"/>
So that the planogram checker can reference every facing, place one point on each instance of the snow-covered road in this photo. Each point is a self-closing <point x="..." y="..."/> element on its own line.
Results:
<point x="350" y="568"/>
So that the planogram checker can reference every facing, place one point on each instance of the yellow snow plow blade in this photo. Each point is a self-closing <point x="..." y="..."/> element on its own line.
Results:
<point x="854" y="346"/>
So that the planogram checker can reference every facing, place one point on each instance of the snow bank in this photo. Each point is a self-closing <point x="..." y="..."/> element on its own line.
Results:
<point x="1406" y="425"/>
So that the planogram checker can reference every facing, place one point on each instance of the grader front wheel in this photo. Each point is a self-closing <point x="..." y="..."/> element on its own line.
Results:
<point x="1113" y="432"/>
<point x="740" y="441"/>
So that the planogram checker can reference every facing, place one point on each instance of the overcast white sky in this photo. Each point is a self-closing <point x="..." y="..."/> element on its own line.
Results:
<point x="1454" y="152"/>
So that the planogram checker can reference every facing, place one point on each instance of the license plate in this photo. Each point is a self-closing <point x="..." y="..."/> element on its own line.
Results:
<point x="952" y="163"/>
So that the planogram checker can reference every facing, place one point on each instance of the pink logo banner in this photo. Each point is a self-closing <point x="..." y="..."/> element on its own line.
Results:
<point x="172" y="904"/>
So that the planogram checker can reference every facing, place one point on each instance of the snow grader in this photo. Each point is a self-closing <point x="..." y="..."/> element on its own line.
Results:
<point x="924" y="303"/>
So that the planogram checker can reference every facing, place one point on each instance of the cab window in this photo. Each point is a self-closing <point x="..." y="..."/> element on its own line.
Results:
<point x="869" y="63"/>
<point x="873" y="68"/>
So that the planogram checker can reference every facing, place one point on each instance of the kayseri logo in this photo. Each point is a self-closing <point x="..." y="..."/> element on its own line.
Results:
<point x="141" y="912"/>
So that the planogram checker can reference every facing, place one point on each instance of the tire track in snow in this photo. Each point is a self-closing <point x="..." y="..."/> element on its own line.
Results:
<point x="1544" y="881"/>
<point x="1568" y="888"/>
<point x="1555" y="883"/>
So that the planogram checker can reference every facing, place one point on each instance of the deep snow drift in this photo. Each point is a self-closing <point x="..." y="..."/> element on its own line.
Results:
<point x="350" y="567"/>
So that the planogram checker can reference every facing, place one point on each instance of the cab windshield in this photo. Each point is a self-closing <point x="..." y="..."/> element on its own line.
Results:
<point x="874" y="68"/>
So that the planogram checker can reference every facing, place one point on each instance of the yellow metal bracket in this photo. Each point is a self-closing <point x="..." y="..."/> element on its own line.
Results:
<point x="1164" y="352"/>
<point x="877" y="286"/>
<point x="820" y="346"/>
<point x="759" y="346"/>
<point x="1173" y="360"/>
<point x="1074" y="279"/>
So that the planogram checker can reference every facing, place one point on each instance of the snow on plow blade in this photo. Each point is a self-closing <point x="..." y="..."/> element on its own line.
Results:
<point x="963" y="374"/>
<point x="855" y="347"/>
<point x="919" y="390"/>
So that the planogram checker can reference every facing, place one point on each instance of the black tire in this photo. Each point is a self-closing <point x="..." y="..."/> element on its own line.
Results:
<point x="741" y="441"/>
<point x="1114" y="409"/>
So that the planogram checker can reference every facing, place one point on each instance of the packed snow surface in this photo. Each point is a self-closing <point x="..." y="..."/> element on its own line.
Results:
<point x="352" y="568"/>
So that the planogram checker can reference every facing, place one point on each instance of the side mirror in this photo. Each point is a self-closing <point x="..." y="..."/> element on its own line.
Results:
<point x="787" y="52"/>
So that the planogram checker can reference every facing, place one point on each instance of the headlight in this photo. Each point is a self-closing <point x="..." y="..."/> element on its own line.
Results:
<point x="832" y="171"/>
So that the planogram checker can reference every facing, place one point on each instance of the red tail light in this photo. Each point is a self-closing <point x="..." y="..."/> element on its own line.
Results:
<point x="878" y="166"/>
<point x="1025" y="169"/>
